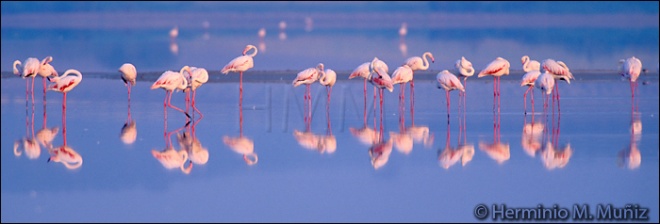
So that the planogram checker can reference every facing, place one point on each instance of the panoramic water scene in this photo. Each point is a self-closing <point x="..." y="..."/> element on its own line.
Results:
<point x="294" y="132"/>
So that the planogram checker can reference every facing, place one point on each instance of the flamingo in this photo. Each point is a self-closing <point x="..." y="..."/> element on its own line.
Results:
<point x="545" y="82"/>
<point x="328" y="79"/>
<point x="198" y="76"/>
<point x="307" y="77"/>
<point x="381" y="80"/>
<point x="417" y="63"/>
<point x="529" y="65"/>
<point x="554" y="158"/>
<point x="366" y="135"/>
<point x="448" y="82"/>
<point x="402" y="75"/>
<point x="241" y="64"/>
<point x="128" y="133"/>
<point x="363" y="71"/>
<point x="466" y="70"/>
<point x="31" y="67"/>
<point x="631" y="68"/>
<point x="46" y="136"/>
<point x="191" y="144"/>
<point x="64" y="84"/>
<point x="496" y="68"/>
<point x="528" y="80"/>
<point x="128" y="75"/>
<point x="46" y="70"/>
<point x="559" y="71"/>
<point x="380" y="154"/>
<point x="171" y="81"/>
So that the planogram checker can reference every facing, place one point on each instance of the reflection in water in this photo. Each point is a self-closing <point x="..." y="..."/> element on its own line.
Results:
<point x="282" y="30"/>
<point x="380" y="153"/>
<point x="366" y="135"/>
<point x="552" y="156"/>
<point x="262" y="43"/>
<point x="309" y="24"/>
<point x="174" y="47"/>
<point x="171" y="158"/>
<point x="128" y="132"/>
<point x="45" y="136"/>
<point x="320" y="143"/>
<point x="450" y="155"/>
<point x="189" y="142"/>
<point x="497" y="150"/>
<point x="531" y="136"/>
<point x="28" y="144"/>
<point x="241" y="144"/>
<point x="206" y="25"/>
<point x="631" y="157"/>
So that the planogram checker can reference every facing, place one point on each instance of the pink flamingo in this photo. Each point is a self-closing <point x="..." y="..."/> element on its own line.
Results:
<point x="529" y="65"/>
<point x="631" y="68"/>
<point x="241" y="64"/>
<point x="417" y="63"/>
<point x="30" y="69"/>
<point x="466" y="70"/>
<point x="496" y="68"/>
<point x="381" y="80"/>
<point x="307" y="77"/>
<point x="170" y="81"/>
<point x="128" y="75"/>
<point x="328" y="80"/>
<point x="198" y="76"/>
<point x="528" y="80"/>
<point x="64" y="84"/>
<point x="448" y="82"/>
<point x="46" y="70"/>
<point x="402" y="75"/>
<point x="560" y="71"/>
<point x="545" y="82"/>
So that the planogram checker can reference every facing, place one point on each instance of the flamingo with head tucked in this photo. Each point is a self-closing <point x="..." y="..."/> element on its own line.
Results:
<point x="631" y="68"/>
<point x="198" y="76"/>
<point x="171" y="81"/>
<point x="128" y="75"/>
<point x="46" y="70"/>
<point x="328" y="79"/>
<point x="381" y="80"/>
<point x="559" y="70"/>
<point x="545" y="82"/>
<point x="497" y="68"/>
<point x="307" y="77"/>
<point x="402" y="75"/>
<point x="466" y="70"/>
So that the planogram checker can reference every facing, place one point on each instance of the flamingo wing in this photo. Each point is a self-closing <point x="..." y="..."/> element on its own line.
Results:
<point x="360" y="71"/>
<point x="239" y="64"/>
<point x="530" y="77"/>
<point x="494" y="67"/>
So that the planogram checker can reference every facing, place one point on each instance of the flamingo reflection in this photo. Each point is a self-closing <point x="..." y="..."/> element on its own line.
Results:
<point x="29" y="143"/>
<point x="531" y="136"/>
<point x="449" y="156"/>
<point x="380" y="153"/>
<point x="498" y="151"/>
<point x="171" y="158"/>
<point x="189" y="142"/>
<point x="63" y="154"/>
<point x="631" y="157"/>
<point x="552" y="156"/>
<point x="241" y="144"/>
<point x="262" y="43"/>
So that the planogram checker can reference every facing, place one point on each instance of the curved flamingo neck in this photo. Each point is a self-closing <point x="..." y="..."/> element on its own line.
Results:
<point x="425" y="64"/>
<point x="70" y="71"/>
<point x="253" y="53"/>
<point x="16" y="70"/>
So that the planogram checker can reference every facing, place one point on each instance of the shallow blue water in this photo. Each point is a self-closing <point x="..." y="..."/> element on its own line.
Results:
<point x="124" y="182"/>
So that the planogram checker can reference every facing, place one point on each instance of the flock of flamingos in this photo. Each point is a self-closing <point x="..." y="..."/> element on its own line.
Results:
<point x="376" y="72"/>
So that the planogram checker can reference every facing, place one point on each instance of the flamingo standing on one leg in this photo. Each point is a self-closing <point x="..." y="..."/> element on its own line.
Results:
<point x="307" y="77"/>
<point x="64" y="84"/>
<point x="631" y="68"/>
<point x="417" y="63"/>
<point x="171" y="81"/>
<point x="31" y="67"/>
<point x="328" y="80"/>
<point x="402" y="75"/>
<point x="128" y="75"/>
<point x="198" y="76"/>
<point x="381" y="80"/>
<point x="496" y="68"/>
<point x="559" y="71"/>
<point x="241" y="64"/>
<point x="448" y="82"/>
<point x="46" y="70"/>
<point x="528" y="80"/>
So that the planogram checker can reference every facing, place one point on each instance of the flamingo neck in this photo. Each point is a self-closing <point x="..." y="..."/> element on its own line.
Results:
<point x="425" y="61"/>
<point x="254" y="53"/>
<point x="15" y="66"/>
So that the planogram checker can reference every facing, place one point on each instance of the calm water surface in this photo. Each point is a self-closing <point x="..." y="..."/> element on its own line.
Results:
<point x="596" y="151"/>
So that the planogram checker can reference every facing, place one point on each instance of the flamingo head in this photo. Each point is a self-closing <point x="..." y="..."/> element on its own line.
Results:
<point x="320" y="67"/>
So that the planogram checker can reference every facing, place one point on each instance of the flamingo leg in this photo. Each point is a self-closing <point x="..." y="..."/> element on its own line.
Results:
<point x="32" y="92"/>
<point x="365" y="102"/>
<point x="381" y="114"/>
<point x="447" y="99"/>
<point x="558" y="97"/>
<point x="194" y="94"/>
<point x="375" y="93"/>
<point x="169" y="104"/>
<point x="532" y="92"/>
<point x="525" y="98"/>
<point x="327" y="108"/>
<point x="412" y="94"/>
<point x="44" y="82"/>
<point x="494" y="92"/>
<point x="64" y="117"/>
